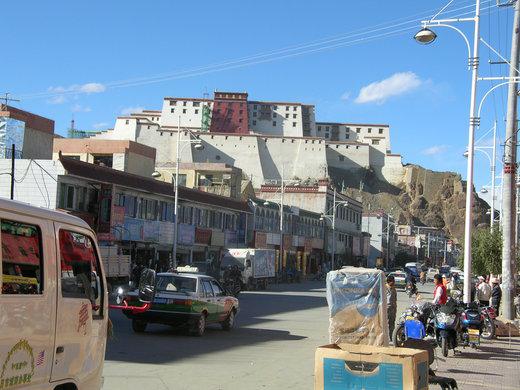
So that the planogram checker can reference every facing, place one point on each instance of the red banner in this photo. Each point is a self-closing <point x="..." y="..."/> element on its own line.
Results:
<point x="203" y="236"/>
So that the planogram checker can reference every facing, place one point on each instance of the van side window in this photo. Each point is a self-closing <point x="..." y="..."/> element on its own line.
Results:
<point x="208" y="292"/>
<point x="217" y="289"/>
<point x="22" y="263"/>
<point x="80" y="275"/>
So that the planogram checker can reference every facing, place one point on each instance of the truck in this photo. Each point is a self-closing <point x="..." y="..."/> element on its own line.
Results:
<point x="117" y="265"/>
<point x="259" y="265"/>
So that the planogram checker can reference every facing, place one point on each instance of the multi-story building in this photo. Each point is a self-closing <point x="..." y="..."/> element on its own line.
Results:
<point x="217" y="178"/>
<point x="123" y="155"/>
<point x="381" y="228"/>
<point x="319" y="198"/>
<point x="131" y="211"/>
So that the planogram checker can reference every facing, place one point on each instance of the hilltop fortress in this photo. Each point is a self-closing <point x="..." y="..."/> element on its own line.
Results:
<point x="261" y="137"/>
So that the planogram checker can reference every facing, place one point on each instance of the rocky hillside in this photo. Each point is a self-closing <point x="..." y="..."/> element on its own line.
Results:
<point x="424" y="198"/>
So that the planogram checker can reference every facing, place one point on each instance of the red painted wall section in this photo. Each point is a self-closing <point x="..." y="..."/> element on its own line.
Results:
<point x="230" y="113"/>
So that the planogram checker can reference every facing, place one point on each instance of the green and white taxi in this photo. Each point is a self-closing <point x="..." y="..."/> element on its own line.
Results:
<point x="179" y="299"/>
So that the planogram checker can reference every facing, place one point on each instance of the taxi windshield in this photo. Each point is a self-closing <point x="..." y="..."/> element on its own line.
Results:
<point x="175" y="283"/>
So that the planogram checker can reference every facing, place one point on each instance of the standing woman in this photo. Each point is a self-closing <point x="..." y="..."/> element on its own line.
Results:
<point x="496" y="295"/>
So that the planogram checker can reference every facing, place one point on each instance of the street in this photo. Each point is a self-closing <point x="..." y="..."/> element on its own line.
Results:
<point x="272" y="347"/>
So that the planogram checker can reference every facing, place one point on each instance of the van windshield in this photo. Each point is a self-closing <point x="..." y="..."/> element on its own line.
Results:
<point x="175" y="283"/>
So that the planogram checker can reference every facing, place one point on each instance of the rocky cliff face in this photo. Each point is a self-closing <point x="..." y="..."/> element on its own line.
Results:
<point x="423" y="198"/>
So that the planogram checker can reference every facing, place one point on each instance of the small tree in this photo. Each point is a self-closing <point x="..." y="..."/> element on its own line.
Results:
<point x="486" y="250"/>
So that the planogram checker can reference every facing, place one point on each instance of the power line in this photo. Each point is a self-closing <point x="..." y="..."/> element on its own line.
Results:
<point x="270" y="56"/>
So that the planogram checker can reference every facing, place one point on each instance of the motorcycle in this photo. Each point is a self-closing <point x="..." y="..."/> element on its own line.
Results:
<point x="410" y="289"/>
<point x="447" y="322"/>
<point x="471" y="325"/>
<point x="415" y="322"/>
<point x="488" y="317"/>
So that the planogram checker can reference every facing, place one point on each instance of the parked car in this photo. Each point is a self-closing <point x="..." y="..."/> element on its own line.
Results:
<point x="431" y="273"/>
<point x="179" y="299"/>
<point x="399" y="277"/>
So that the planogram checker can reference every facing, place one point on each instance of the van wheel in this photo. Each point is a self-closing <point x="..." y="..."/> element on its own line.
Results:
<point x="229" y="322"/>
<point x="198" y="328"/>
<point x="139" y="326"/>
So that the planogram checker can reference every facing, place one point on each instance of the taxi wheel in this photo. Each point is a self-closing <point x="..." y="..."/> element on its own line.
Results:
<point x="229" y="322"/>
<point x="138" y="326"/>
<point x="199" y="326"/>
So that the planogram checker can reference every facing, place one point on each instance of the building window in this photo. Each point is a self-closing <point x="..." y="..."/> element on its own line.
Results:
<point x="173" y="102"/>
<point x="196" y="104"/>
<point x="358" y="130"/>
<point x="380" y="131"/>
<point x="184" y="111"/>
<point x="295" y="108"/>
<point x="127" y="122"/>
<point x="294" y="124"/>
<point x="294" y="116"/>
<point x="274" y="115"/>
<point x="240" y="120"/>
<point x="319" y="128"/>
<point x="369" y="129"/>
<point x="347" y="136"/>
<point x="275" y="107"/>
<point x="327" y="128"/>
<point x="172" y="110"/>
<point x="21" y="258"/>
<point x="347" y="129"/>
<point x="217" y="157"/>
<point x="375" y="142"/>
<point x="274" y="123"/>
<point x="286" y="108"/>
<point x="254" y="123"/>
<point x="254" y="107"/>
<point x="286" y="116"/>
<point x="326" y="135"/>
<point x="148" y="127"/>
<point x="196" y="111"/>
<point x="254" y="114"/>
<point x="184" y="104"/>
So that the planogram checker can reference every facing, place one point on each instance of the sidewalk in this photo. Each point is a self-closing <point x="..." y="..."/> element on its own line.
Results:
<point x="496" y="365"/>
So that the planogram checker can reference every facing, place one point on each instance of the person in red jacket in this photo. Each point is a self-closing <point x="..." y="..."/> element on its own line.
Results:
<point x="440" y="295"/>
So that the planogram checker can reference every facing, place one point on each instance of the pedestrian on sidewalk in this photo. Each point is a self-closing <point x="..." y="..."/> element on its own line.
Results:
<point x="496" y="295"/>
<point x="391" y="303"/>
<point x="440" y="295"/>
<point x="483" y="292"/>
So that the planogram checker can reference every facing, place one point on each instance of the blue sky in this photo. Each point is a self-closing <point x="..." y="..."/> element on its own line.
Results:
<point x="75" y="52"/>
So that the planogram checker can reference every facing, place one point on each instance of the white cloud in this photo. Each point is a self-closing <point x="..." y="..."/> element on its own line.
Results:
<point x="79" y="88"/>
<point x="80" y="108"/>
<point x="131" y="110"/>
<point x="100" y="125"/>
<point x="435" y="150"/>
<point x="395" y="85"/>
<point x="60" y="99"/>
<point x="345" y="96"/>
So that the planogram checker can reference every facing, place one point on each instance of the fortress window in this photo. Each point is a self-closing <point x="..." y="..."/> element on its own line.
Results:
<point x="196" y="111"/>
<point x="184" y="111"/>
<point x="196" y="104"/>
<point x="358" y="130"/>
<point x="380" y="131"/>
<point x="173" y="102"/>
<point x="375" y="142"/>
<point x="369" y="129"/>
<point x="172" y="110"/>
<point x="294" y="124"/>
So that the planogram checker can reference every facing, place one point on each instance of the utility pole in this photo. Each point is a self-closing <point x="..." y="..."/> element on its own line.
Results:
<point x="281" y="220"/>
<point x="508" y="183"/>
<point x="13" y="150"/>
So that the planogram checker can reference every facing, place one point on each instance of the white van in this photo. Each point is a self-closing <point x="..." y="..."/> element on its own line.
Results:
<point x="53" y="301"/>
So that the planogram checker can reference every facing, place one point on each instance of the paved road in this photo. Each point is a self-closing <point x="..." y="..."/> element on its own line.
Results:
<point x="272" y="347"/>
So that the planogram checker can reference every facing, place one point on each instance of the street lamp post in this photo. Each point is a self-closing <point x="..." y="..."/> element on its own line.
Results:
<point x="332" y="219"/>
<point x="426" y="36"/>
<point x="198" y="145"/>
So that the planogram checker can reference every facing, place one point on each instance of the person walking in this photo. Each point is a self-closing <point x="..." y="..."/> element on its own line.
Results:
<point x="440" y="295"/>
<point x="496" y="295"/>
<point x="391" y="303"/>
<point x="483" y="292"/>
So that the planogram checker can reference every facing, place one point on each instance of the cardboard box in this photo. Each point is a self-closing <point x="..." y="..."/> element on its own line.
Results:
<point x="357" y="306"/>
<point x="366" y="367"/>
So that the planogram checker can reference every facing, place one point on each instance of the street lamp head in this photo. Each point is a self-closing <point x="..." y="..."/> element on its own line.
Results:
<point x="322" y="218"/>
<point x="488" y="212"/>
<point x="483" y="191"/>
<point x="266" y="203"/>
<point x="425" y="36"/>
<point x="156" y="174"/>
<point x="198" y="146"/>
<point x="465" y="154"/>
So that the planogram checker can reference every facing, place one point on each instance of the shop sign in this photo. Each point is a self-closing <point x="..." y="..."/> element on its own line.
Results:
<point x="217" y="238"/>
<point x="166" y="231"/>
<point x="307" y="245"/>
<point x="203" y="236"/>
<point x="133" y="230"/>
<point x="151" y="231"/>
<point x="185" y="234"/>
<point x="317" y="243"/>
<point x="231" y="238"/>
<point x="118" y="215"/>
<point x="260" y="240"/>
<point x="273" y="238"/>
<point x="287" y="241"/>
